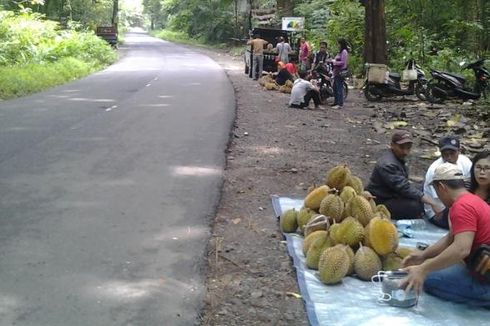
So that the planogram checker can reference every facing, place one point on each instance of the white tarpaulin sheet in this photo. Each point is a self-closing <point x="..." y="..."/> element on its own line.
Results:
<point x="354" y="302"/>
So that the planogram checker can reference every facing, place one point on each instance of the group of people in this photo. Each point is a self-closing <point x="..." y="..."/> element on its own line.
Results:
<point x="455" y="196"/>
<point x="303" y="90"/>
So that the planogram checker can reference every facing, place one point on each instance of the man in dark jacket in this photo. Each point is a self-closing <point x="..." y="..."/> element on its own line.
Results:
<point x="389" y="181"/>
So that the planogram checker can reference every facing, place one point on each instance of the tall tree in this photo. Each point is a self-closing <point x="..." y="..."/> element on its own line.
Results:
<point x="375" y="32"/>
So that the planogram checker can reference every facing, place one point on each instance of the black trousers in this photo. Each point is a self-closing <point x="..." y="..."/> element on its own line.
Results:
<point x="443" y="222"/>
<point x="311" y="94"/>
<point x="403" y="208"/>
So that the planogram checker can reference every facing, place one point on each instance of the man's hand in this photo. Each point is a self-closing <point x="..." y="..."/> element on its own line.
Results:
<point x="483" y="266"/>
<point x="415" y="258"/>
<point x="414" y="280"/>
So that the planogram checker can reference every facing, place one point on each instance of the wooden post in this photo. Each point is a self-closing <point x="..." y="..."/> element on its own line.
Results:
<point x="375" y="32"/>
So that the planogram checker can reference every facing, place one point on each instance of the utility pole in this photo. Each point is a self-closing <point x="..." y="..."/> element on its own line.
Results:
<point x="375" y="32"/>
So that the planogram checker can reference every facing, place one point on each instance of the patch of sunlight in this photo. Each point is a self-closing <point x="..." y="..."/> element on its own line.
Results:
<point x="165" y="96"/>
<point x="182" y="233"/>
<point x="197" y="171"/>
<point x="70" y="90"/>
<point x="80" y="99"/>
<point x="7" y="304"/>
<point x="269" y="150"/>
<point x="128" y="290"/>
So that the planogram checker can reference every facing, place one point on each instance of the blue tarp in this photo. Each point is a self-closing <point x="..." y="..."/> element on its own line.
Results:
<point x="354" y="302"/>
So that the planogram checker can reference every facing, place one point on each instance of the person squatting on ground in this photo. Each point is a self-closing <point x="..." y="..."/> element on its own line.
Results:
<point x="339" y="64"/>
<point x="480" y="176"/>
<point x="283" y="49"/>
<point x="258" y="55"/>
<point x="283" y="74"/>
<point x="449" y="147"/>
<point x="302" y="92"/>
<point x="439" y="269"/>
<point x="390" y="185"/>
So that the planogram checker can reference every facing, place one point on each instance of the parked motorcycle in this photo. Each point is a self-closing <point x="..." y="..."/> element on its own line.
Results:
<point x="322" y="75"/>
<point x="389" y="85"/>
<point x="445" y="85"/>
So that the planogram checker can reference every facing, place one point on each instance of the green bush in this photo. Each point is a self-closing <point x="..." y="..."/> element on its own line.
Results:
<point x="35" y="54"/>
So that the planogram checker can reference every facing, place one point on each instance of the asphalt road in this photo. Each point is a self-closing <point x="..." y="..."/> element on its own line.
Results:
<point x="108" y="186"/>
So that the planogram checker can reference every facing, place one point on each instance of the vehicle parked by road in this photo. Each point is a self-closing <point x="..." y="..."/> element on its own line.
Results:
<point x="445" y="85"/>
<point x="272" y="36"/>
<point x="380" y="82"/>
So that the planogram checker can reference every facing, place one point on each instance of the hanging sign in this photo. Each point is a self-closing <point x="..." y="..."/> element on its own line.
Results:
<point x="293" y="23"/>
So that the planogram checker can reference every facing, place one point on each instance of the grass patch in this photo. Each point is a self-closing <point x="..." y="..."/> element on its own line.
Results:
<point x="183" y="38"/>
<point x="16" y="81"/>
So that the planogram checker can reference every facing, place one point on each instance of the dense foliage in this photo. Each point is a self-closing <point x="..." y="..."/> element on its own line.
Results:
<point x="35" y="53"/>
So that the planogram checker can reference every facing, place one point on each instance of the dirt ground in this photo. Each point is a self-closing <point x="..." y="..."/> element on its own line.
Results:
<point x="279" y="150"/>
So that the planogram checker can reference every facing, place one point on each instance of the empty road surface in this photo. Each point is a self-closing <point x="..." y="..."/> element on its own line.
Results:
<point x="108" y="186"/>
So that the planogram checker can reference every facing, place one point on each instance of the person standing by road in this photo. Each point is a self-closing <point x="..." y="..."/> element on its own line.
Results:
<point x="339" y="66"/>
<point x="283" y="49"/>
<point x="258" y="55"/>
<point x="304" y="54"/>
<point x="450" y="152"/>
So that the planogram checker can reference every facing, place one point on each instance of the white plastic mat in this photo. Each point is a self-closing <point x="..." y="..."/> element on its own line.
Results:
<point x="354" y="302"/>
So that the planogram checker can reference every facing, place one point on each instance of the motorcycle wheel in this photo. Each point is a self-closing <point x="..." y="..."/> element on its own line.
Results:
<point x="421" y="90"/>
<point x="432" y="96"/>
<point x="370" y="95"/>
<point x="346" y="90"/>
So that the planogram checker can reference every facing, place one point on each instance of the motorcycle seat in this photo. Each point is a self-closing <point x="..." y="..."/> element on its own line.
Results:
<point x="395" y="75"/>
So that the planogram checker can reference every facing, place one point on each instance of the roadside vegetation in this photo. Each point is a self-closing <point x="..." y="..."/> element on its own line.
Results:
<point x="36" y="54"/>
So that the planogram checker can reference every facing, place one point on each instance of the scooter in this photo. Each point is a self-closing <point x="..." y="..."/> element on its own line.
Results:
<point x="392" y="87"/>
<point x="322" y="75"/>
<point x="444" y="85"/>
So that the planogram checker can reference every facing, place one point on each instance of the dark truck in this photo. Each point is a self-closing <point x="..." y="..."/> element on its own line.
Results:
<point x="108" y="33"/>
<point x="271" y="36"/>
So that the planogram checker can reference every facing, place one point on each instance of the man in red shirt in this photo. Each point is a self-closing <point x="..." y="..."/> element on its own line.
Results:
<point x="439" y="268"/>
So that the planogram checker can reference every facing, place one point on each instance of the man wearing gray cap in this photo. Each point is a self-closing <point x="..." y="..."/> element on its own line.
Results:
<point x="390" y="185"/>
<point x="439" y="269"/>
<point x="450" y="152"/>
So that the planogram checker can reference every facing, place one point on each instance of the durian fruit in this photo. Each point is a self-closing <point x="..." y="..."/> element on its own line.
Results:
<point x="349" y="232"/>
<point x="315" y="251"/>
<point x="356" y="183"/>
<point x="391" y="262"/>
<point x="404" y="251"/>
<point x="366" y="263"/>
<point x="333" y="265"/>
<point x="366" y="237"/>
<point x="370" y="198"/>
<point x="360" y="208"/>
<point x="338" y="177"/>
<point x="347" y="193"/>
<point x="304" y="216"/>
<point x="288" y="221"/>
<point x="285" y="89"/>
<point x="311" y="188"/>
<point x="289" y="83"/>
<point x="383" y="210"/>
<point x="315" y="197"/>
<point x="332" y="206"/>
<point x="311" y="238"/>
<point x="351" y="255"/>
<point x="271" y="86"/>
<point x="316" y="223"/>
<point x="382" y="235"/>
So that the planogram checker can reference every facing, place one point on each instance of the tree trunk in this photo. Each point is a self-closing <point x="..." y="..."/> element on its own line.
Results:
<point x="375" y="32"/>
<point x="115" y="10"/>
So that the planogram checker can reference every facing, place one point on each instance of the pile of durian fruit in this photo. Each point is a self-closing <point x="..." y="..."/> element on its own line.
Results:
<point x="268" y="83"/>
<point x="345" y="232"/>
